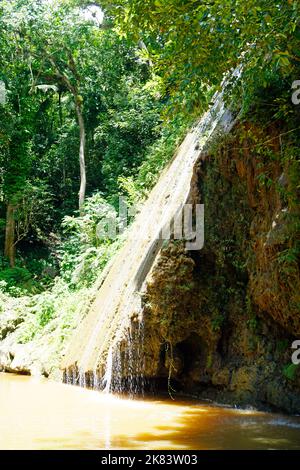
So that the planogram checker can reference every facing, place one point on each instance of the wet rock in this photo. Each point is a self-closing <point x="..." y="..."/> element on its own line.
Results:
<point x="244" y="379"/>
<point x="234" y="297"/>
<point x="221" y="377"/>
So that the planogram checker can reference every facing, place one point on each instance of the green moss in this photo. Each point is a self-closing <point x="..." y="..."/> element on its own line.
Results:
<point x="217" y="321"/>
<point x="282" y="345"/>
<point x="290" y="370"/>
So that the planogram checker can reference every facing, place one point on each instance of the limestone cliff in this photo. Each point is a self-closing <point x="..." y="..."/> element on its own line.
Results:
<point x="219" y="323"/>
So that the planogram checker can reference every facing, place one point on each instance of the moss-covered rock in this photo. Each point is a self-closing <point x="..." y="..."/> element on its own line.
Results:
<point x="219" y="323"/>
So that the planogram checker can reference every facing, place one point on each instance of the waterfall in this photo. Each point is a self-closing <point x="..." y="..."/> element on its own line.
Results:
<point x="96" y="353"/>
<point x="108" y="371"/>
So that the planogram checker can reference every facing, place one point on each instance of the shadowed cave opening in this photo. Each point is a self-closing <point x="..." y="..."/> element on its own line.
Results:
<point x="193" y="354"/>
<point x="189" y="363"/>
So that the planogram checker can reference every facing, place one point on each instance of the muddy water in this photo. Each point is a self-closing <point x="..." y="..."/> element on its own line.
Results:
<point x="40" y="414"/>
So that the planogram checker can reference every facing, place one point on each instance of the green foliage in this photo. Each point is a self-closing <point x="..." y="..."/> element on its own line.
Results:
<point x="289" y="257"/>
<point x="156" y="158"/>
<point x="38" y="129"/>
<point x="282" y="345"/>
<point x="15" y="275"/>
<point x="126" y="133"/>
<point x="209" y="361"/>
<point x="59" y="255"/>
<point x="208" y="39"/>
<point x="18" y="281"/>
<point x="84" y="253"/>
<point x="46" y="311"/>
<point x="217" y="321"/>
<point x="290" y="370"/>
<point x="253" y="323"/>
<point x="52" y="314"/>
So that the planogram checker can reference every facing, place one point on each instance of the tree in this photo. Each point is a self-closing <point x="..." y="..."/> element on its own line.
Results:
<point x="194" y="43"/>
<point x="63" y="73"/>
<point x="57" y="45"/>
<point x="63" y="79"/>
<point x="17" y="123"/>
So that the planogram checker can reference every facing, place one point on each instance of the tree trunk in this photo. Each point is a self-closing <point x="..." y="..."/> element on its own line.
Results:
<point x="78" y="105"/>
<point x="9" y="248"/>
<point x="81" y="156"/>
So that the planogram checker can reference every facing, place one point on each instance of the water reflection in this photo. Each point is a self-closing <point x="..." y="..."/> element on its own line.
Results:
<point x="40" y="414"/>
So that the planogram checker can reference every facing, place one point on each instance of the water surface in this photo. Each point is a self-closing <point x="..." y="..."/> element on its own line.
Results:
<point x="41" y="414"/>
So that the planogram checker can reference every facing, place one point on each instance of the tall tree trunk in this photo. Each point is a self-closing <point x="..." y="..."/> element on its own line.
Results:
<point x="9" y="248"/>
<point x="78" y="105"/>
<point x="81" y="156"/>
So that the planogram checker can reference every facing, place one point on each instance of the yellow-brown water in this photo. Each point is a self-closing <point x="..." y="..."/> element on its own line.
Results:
<point x="40" y="414"/>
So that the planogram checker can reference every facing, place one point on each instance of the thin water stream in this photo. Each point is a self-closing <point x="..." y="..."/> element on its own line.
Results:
<point x="40" y="414"/>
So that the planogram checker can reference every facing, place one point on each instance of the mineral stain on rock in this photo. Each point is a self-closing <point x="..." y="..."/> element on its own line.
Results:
<point x="219" y="323"/>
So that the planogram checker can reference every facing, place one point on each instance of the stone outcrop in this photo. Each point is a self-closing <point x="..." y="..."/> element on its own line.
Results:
<point x="219" y="323"/>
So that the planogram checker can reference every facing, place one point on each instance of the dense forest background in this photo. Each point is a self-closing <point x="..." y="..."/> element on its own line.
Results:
<point x="97" y="97"/>
<point x="82" y="114"/>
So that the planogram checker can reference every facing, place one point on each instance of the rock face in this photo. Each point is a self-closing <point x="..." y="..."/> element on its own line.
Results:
<point x="219" y="323"/>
